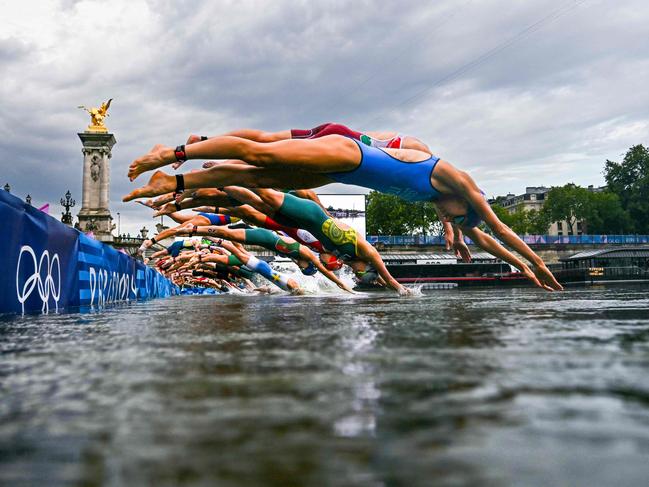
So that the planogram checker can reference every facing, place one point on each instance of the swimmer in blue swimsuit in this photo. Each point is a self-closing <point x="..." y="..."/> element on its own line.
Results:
<point x="311" y="163"/>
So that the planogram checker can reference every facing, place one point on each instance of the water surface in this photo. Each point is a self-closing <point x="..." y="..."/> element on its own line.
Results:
<point x="497" y="387"/>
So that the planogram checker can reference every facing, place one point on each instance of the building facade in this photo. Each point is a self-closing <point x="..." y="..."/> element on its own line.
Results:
<point x="533" y="199"/>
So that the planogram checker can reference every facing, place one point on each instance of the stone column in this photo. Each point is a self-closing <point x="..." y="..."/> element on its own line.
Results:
<point x="95" y="212"/>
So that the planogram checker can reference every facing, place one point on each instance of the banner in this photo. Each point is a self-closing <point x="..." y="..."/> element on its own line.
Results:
<point x="48" y="266"/>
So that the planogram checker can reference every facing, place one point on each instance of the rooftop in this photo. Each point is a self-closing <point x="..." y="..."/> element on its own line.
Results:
<point x="618" y="253"/>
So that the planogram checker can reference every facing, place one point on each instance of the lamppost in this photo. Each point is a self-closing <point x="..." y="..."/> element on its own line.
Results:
<point x="119" y="223"/>
<point x="67" y="203"/>
<point x="144" y="231"/>
<point x="7" y="188"/>
<point x="28" y="199"/>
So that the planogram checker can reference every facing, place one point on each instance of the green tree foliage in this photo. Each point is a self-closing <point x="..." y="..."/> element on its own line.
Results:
<point x="386" y="214"/>
<point x="523" y="222"/>
<point x="605" y="215"/>
<point x="602" y="212"/>
<point x="502" y="214"/>
<point x="629" y="180"/>
<point x="569" y="203"/>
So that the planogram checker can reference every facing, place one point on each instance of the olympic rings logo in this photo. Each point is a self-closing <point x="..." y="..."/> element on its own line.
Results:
<point x="47" y="287"/>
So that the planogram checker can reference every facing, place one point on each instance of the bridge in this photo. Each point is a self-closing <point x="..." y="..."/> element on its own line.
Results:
<point x="550" y="248"/>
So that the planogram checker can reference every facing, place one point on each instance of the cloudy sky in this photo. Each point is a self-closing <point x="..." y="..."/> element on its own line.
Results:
<point x="519" y="93"/>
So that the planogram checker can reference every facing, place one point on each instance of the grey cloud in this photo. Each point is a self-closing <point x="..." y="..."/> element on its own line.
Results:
<point x="12" y="50"/>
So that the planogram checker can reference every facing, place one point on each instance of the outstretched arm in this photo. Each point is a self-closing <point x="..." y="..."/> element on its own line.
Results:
<point x="490" y="245"/>
<point x="207" y="230"/>
<point x="371" y="255"/>
<point x="169" y="232"/>
<point x="466" y="187"/>
<point x="459" y="246"/>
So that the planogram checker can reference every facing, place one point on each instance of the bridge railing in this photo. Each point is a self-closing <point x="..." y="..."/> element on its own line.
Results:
<point x="528" y="239"/>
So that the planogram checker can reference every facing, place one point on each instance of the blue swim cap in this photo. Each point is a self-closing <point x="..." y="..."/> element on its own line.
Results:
<point x="310" y="269"/>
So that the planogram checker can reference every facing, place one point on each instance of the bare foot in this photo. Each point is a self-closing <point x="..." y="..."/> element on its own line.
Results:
<point x="160" y="183"/>
<point x="167" y="209"/>
<point x="192" y="139"/>
<point x="158" y="156"/>
<point x="147" y="203"/>
<point x="161" y="200"/>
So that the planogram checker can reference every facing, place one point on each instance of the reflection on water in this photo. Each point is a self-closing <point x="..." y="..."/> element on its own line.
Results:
<point x="480" y="387"/>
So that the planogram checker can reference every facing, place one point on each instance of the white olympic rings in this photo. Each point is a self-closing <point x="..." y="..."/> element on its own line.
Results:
<point x="47" y="287"/>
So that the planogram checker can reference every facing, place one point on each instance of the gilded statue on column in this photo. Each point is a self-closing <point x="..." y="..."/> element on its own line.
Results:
<point x="97" y="116"/>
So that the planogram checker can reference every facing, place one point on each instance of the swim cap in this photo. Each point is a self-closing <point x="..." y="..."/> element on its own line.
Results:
<point x="332" y="263"/>
<point x="309" y="270"/>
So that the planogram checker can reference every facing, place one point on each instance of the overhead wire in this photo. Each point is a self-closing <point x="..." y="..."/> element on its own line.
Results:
<point x="347" y="93"/>
<point x="530" y="29"/>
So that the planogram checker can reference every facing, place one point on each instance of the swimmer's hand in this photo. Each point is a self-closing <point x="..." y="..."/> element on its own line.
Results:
<point x="461" y="250"/>
<point x="449" y="236"/>
<point x="145" y="245"/>
<point x="404" y="291"/>
<point x="546" y="278"/>
<point x="527" y="272"/>
<point x="348" y="289"/>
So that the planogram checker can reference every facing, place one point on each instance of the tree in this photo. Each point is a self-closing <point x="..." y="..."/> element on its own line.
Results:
<point x="569" y="203"/>
<point x="605" y="214"/>
<point x="386" y="214"/>
<point x="629" y="180"/>
<point x="523" y="222"/>
<point x="502" y="214"/>
<point x="539" y="222"/>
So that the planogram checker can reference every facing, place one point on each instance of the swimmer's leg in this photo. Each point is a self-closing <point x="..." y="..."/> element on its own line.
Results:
<point x="230" y="174"/>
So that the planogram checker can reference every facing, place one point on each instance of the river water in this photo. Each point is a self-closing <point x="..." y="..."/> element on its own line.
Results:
<point x="486" y="387"/>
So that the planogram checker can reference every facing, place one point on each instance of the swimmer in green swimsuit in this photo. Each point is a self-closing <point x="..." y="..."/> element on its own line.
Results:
<point x="340" y="240"/>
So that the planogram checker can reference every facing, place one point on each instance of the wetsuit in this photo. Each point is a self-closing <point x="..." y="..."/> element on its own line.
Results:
<point x="272" y="241"/>
<point x="338" y="129"/>
<point x="382" y="172"/>
<point x="310" y="216"/>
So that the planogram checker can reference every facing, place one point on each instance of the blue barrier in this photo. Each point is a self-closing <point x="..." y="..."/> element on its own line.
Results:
<point x="528" y="239"/>
<point x="47" y="265"/>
